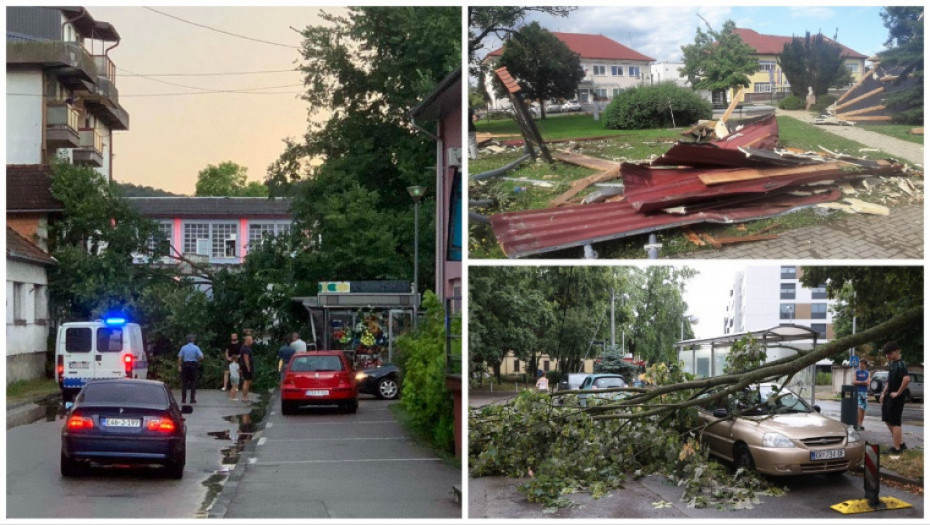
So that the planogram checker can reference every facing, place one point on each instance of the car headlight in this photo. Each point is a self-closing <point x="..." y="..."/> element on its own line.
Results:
<point x="852" y="435"/>
<point x="360" y="375"/>
<point x="776" y="440"/>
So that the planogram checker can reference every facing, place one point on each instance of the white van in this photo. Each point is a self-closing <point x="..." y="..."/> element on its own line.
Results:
<point x="106" y="348"/>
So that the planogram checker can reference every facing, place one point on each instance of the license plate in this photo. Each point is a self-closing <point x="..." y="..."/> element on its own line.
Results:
<point x="317" y="392"/>
<point x="121" y="422"/>
<point x="79" y="364"/>
<point x="839" y="453"/>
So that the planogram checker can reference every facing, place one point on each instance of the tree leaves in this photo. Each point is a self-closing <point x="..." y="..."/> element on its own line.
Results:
<point x="813" y="61"/>
<point x="718" y="60"/>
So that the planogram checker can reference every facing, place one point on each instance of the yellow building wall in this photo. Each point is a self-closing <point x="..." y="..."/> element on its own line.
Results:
<point x="781" y="81"/>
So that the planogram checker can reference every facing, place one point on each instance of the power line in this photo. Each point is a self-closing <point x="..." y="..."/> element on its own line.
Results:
<point x="231" y="73"/>
<point x="186" y="86"/>
<point x="218" y="30"/>
<point x="188" y="93"/>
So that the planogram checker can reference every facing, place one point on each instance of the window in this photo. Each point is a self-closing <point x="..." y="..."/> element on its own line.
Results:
<point x="821" y="329"/>
<point x="600" y="93"/>
<point x="18" y="303"/>
<point x="820" y="292"/>
<point x="616" y="71"/>
<point x="110" y="340"/>
<point x="787" y="290"/>
<point x="224" y="240"/>
<point x="78" y="340"/>
<point x="41" y="303"/>
<point x="789" y="272"/>
<point x="516" y="366"/>
<point x="787" y="311"/>
<point x="127" y="392"/>
<point x="617" y="91"/>
<point x="853" y="68"/>
<point x="192" y="233"/>
<point x="600" y="70"/>
<point x="454" y="249"/>
<point x="766" y="65"/>
<point x="819" y="311"/>
<point x="703" y="367"/>
<point x="218" y="240"/>
<point x="634" y="71"/>
<point x="763" y="87"/>
<point x="162" y="239"/>
<point x="546" y="365"/>
<point x="257" y="231"/>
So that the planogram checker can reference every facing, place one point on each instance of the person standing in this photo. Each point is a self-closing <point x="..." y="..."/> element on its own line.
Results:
<point x="472" y="135"/>
<point x="189" y="359"/>
<point x="297" y="343"/>
<point x="542" y="384"/>
<point x="233" y="379"/>
<point x="232" y="355"/>
<point x="246" y="366"/>
<point x="892" y="398"/>
<point x="285" y="353"/>
<point x="861" y="381"/>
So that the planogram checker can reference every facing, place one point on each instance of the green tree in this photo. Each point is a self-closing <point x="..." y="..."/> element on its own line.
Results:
<point x="813" y="61"/>
<point x="502" y="21"/>
<point x="659" y="313"/>
<point x="906" y="50"/>
<point x="367" y="68"/>
<point x="873" y="294"/>
<point x="542" y="64"/>
<point x="227" y="179"/>
<point x="718" y="60"/>
<point x="127" y="189"/>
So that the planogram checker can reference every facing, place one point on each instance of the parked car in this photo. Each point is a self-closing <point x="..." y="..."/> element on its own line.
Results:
<point x="552" y="107"/>
<point x="324" y="377"/>
<point x="601" y="381"/>
<point x="778" y="434"/>
<point x="124" y="421"/>
<point x="571" y="106"/>
<point x="571" y="382"/>
<point x="382" y="381"/>
<point x="914" y="390"/>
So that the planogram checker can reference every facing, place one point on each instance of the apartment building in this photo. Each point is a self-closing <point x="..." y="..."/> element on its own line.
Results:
<point x="61" y="91"/>
<point x="610" y="67"/>
<point x="769" y="78"/>
<point x="766" y="296"/>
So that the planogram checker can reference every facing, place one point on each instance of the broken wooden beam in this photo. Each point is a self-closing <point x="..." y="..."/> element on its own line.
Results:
<point x="745" y="238"/>
<point x="584" y="161"/>
<point x="723" y="177"/>
<point x="857" y="99"/>
<point x="580" y="185"/>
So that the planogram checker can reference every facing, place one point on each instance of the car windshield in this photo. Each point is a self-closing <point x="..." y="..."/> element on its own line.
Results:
<point x="608" y="382"/>
<point x="129" y="392"/>
<point x="768" y="400"/>
<point x="316" y="363"/>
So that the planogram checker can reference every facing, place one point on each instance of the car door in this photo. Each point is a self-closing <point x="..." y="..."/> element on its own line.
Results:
<point x="717" y="435"/>
<point x="108" y="352"/>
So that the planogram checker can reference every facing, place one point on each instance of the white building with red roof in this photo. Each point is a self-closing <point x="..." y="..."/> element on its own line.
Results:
<point x="610" y="67"/>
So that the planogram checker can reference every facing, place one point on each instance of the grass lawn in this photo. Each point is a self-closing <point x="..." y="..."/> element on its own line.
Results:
<point x="537" y="183"/>
<point x="909" y="464"/>
<point x="898" y="131"/>
<point x="22" y="390"/>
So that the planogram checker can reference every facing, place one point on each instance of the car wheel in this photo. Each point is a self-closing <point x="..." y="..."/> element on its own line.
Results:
<point x="876" y="386"/>
<point x="351" y="407"/>
<point x="175" y="469"/>
<point x="288" y="408"/>
<point x="742" y="458"/>
<point x="71" y="468"/>
<point x="387" y="388"/>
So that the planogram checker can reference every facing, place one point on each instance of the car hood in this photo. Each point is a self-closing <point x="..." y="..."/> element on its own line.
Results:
<point x="798" y="426"/>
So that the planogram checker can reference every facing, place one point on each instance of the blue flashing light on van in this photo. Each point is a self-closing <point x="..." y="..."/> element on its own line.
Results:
<point x="114" y="321"/>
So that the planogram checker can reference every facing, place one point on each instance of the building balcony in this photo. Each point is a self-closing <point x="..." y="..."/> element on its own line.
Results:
<point x="69" y="61"/>
<point x="61" y="127"/>
<point x="90" y="151"/>
<point x="103" y="101"/>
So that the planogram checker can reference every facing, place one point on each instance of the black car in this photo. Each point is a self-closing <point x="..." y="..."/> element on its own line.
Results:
<point x="124" y="421"/>
<point x="382" y="381"/>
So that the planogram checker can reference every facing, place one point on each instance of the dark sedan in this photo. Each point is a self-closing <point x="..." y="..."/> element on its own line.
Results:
<point x="124" y="421"/>
<point x="382" y="381"/>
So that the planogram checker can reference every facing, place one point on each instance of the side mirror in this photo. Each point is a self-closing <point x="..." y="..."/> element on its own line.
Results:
<point x="187" y="409"/>
<point x="817" y="408"/>
<point x="721" y="413"/>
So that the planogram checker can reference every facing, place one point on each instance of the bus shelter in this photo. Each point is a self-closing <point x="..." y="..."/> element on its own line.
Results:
<point x="707" y="357"/>
<point x="362" y="318"/>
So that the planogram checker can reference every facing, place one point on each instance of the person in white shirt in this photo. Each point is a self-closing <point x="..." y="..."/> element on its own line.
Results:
<point x="297" y="343"/>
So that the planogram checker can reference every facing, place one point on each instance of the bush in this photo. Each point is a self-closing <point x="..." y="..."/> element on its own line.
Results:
<point x="791" y="103"/>
<point x="824" y="378"/>
<point x="652" y="106"/>
<point x="823" y="102"/>
<point x="554" y="376"/>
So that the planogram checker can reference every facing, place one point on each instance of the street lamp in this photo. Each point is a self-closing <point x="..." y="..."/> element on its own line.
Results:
<point x="416" y="193"/>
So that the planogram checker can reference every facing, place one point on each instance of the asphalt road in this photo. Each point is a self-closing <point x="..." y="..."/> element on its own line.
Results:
<point x="322" y="463"/>
<point x="35" y="489"/>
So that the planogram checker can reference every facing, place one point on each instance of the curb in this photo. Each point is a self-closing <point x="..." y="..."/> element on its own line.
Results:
<point x="221" y="504"/>
<point x="23" y="414"/>
<point x="887" y="474"/>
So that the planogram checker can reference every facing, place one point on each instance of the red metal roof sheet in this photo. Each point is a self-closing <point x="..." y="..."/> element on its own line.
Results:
<point x="29" y="189"/>
<point x="594" y="47"/>
<point x="774" y="44"/>
<point x="532" y="232"/>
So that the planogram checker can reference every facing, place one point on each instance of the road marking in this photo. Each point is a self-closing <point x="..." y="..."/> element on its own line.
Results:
<point x="269" y="424"/>
<point x="252" y="461"/>
<point x="319" y="461"/>
<point x="278" y="440"/>
<point x="262" y="441"/>
<point x="316" y="423"/>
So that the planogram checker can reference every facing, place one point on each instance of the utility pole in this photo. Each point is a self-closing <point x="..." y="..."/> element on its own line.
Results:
<point x="613" y="319"/>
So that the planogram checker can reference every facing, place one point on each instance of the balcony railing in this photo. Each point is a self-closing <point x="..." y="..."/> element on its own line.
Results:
<point x="105" y="68"/>
<point x="92" y="139"/>
<point x="69" y="56"/>
<point x="62" y="125"/>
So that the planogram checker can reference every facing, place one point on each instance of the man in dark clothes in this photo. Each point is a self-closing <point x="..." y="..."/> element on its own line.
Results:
<point x="189" y="359"/>
<point x="892" y="398"/>
<point x="232" y="354"/>
<point x="246" y="367"/>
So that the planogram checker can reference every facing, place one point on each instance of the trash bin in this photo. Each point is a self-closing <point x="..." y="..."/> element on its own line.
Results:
<point x="849" y="414"/>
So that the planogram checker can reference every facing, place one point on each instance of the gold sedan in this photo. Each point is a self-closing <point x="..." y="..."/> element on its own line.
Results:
<point x="778" y="433"/>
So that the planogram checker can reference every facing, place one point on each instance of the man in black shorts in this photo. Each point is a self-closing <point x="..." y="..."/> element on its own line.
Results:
<point x="892" y="398"/>
<point x="246" y="366"/>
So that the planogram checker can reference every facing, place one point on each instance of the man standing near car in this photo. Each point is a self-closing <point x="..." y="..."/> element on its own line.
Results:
<point x="189" y="359"/>
<point x="861" y="381"/>
<point x="246" y="366"/>
<point x="232" y="354"/>
<point x="285" y="353"/>
<point x="297" y="343"/>
<point x="892" y="398"/>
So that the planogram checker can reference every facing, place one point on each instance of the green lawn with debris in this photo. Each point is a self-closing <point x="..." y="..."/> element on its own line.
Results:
<point x="533" y="184"/>
<point x="24" y="390"/>
<point x="898" y="131"/>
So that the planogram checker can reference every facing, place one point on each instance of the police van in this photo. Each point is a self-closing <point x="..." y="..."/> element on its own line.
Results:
<point x="102" y="349"/>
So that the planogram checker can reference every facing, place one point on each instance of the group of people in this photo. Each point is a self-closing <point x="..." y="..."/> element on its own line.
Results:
<point x="239" y="370"/>
<point x="892" y="397"/>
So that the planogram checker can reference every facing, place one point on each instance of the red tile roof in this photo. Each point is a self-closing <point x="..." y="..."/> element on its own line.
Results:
<point x="774" y="44"/>
<point x="19" y="247"/>
<point x="594" y="47"/>
<point x="29" y="189"/>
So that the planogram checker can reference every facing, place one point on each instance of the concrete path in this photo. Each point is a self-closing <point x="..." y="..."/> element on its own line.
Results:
<point x="909" y="151"/>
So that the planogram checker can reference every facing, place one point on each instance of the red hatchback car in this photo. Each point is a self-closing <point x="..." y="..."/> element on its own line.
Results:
<point x="321" y="377"/>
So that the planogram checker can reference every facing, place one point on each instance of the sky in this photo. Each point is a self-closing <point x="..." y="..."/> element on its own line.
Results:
<point x="172" y="137"/>
<point x="708" y="293"/>
<point x="660" y="32"/>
